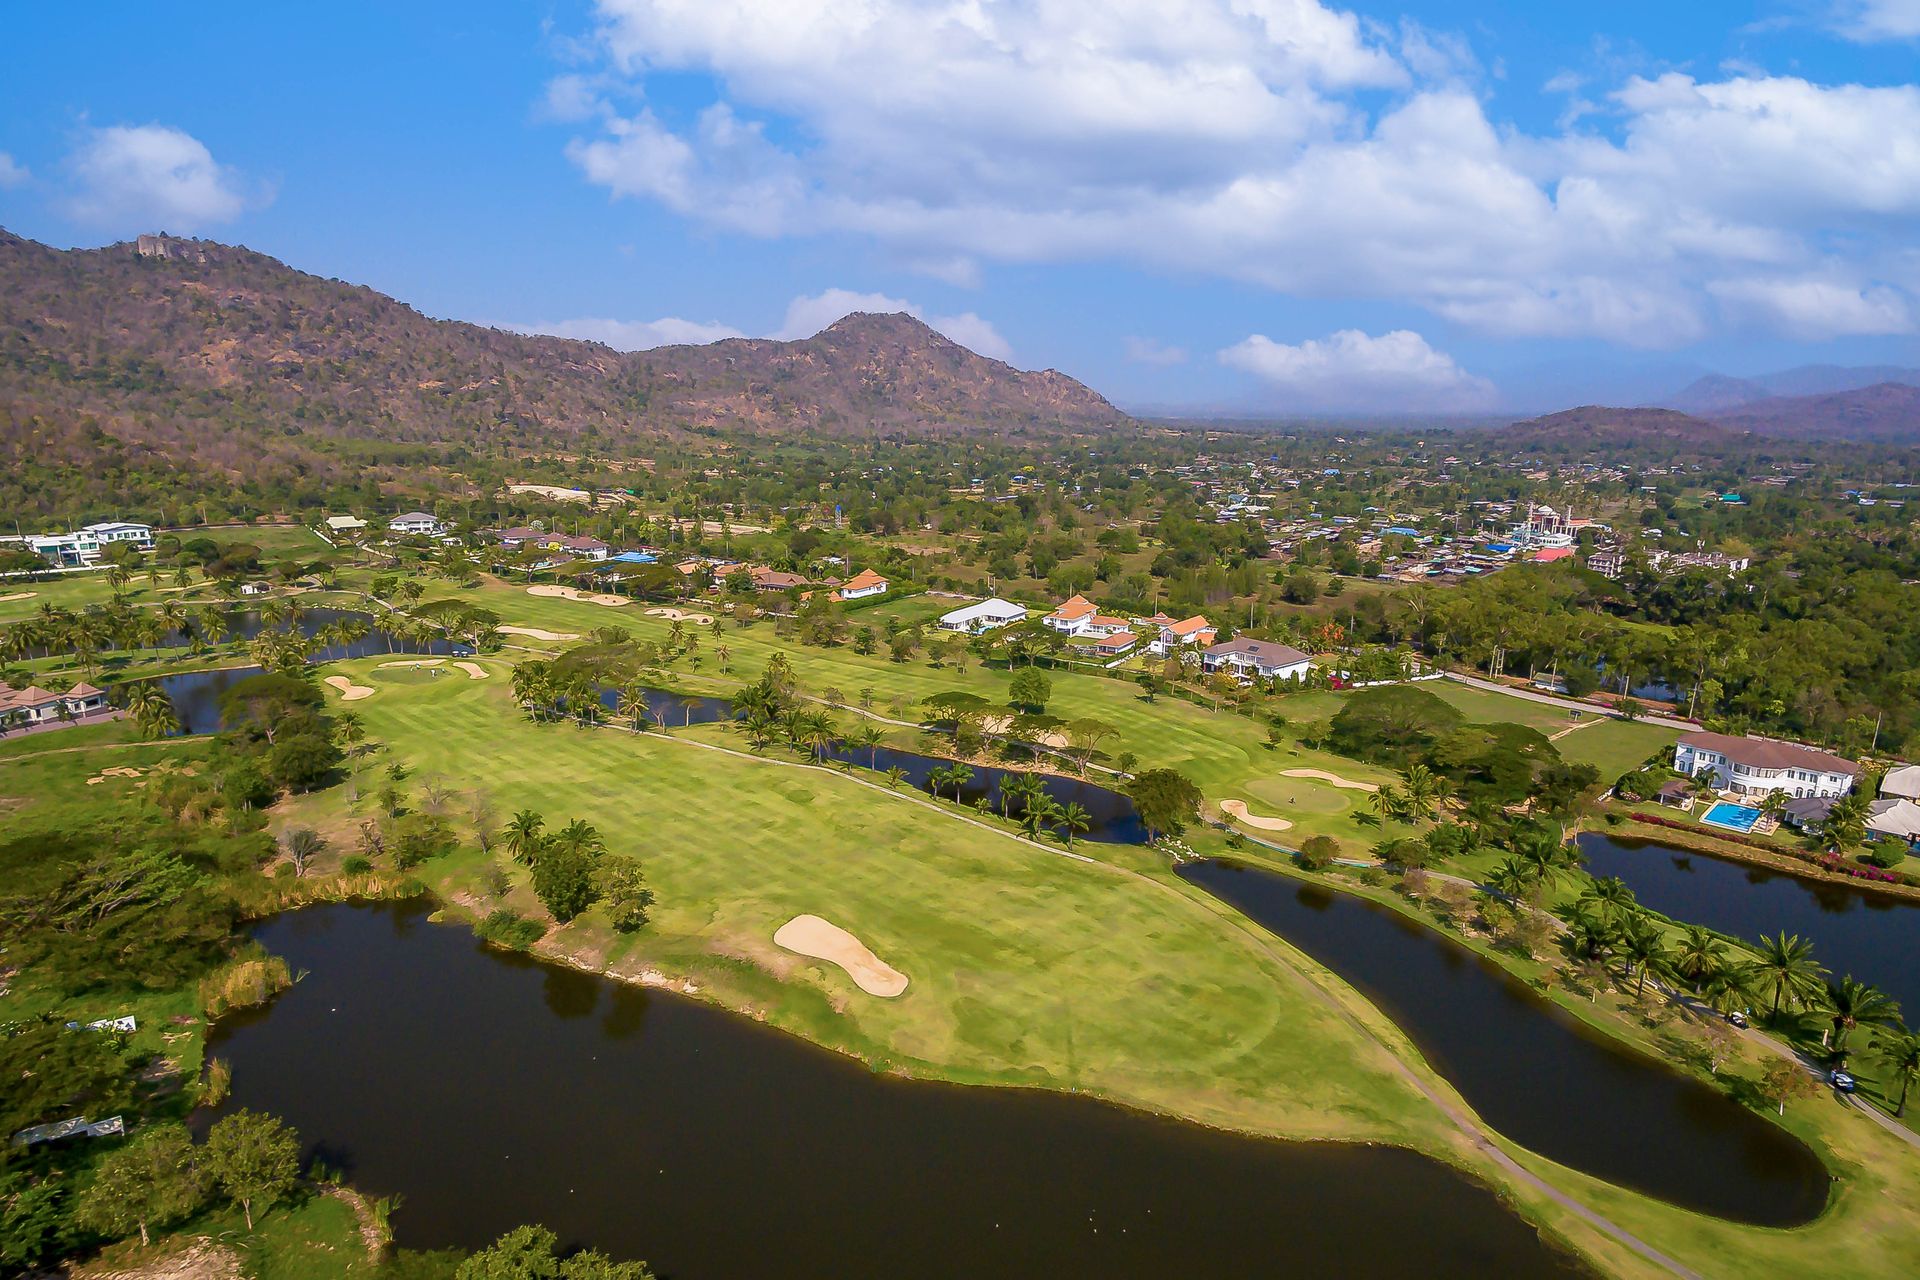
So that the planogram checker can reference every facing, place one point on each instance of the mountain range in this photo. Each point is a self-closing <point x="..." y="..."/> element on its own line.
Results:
<point x="193" y="356"/>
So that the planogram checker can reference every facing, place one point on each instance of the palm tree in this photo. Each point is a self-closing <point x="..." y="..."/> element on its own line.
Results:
<point x="1900" y="1050"/>
<point x="1387" y="803"/>
<point x="1422" y="789"/>
<point x="958" y="777"/>
<point x="895" y="776"/>
<point x="151" y="710"/>
<point x="1644" y="948"/>
<point x="723" y="654"/>
<point x="688" y="705"/>
<point x="1730" y="988"/>
<point x="1073" y="819"/>
<point x="579" y="836"/>
<point x="817" y="734"/>
<point x="523" y="839"/>
<point x="1700" y="957"/>
<point x="867" y="737"/>
<point x="937" y="779"/>
<point x="1787" y="968"/>
<point x="633" y="705"/>
<point x="759" y="727"/>
<point x="1512" y="879"/>
<point x="1845" y="825"/>
<point x="1611" y="898"/>
<point x="1851" y="1003"/>
<point x="1040" y="812"/>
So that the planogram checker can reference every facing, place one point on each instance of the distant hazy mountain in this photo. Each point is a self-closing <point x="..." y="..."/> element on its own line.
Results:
<point x="1885" y="413"/>
<point x="1716" y="394"/>
<point x="1601" y="430"/>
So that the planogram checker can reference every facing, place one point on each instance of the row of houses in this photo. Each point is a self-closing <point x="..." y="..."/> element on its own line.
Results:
<point x="34" y="706"/>
<point x="1755" y="768"/>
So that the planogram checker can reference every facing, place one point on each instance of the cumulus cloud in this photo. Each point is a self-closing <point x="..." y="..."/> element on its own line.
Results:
<point x="1352" y="371"/>
<point x="806" y="316"/>
<point x="1282" y="143"/>
<point x="1152" y="351"/>
<point x="636" y="335"/>
<point x="1816" y="307"/>
<point x="152" y="177"/>
<point x="12" y="173"/>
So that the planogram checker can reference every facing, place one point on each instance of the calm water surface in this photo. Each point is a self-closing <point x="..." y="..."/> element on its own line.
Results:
<point x="1869" y="935"/>
<point x="492" y="1090"/>
<point x="1531" y="1070"/>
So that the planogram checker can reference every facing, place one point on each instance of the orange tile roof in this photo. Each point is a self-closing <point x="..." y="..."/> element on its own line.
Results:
<point x="1076" y="608"/>
<point x="864" y="579"/>
<point x="1191" y="626"/>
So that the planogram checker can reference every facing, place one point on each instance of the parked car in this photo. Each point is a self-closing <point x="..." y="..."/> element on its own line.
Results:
<point x="1842" y="1081"/>
<point x="1737" y="1018"/>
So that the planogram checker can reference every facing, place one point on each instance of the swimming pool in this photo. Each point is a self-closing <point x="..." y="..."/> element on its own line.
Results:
<point x="1734" y="817"/>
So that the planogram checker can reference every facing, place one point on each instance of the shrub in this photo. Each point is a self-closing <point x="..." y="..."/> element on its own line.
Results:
<point x="1318" y="852"/>
<point x="244" y="984"/>
<point x="355" y="865"/>
<point x="509" y="930"/>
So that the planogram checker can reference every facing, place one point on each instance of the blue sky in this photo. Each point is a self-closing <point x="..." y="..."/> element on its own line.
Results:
<point x="1250" y="204"/>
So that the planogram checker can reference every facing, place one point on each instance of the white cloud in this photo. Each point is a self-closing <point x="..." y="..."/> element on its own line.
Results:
<point x="1152" y="351"/>
<point x="1872" y="20"/>
<point x="636" y="335"/>
<point x="152" y="177"/>
<point x="1354" y="371"/>
<point x="1815" y="307"/>
<point x="1282" y="143"/>
<point x="12" y="172"/>
<point x="806" y="316"/>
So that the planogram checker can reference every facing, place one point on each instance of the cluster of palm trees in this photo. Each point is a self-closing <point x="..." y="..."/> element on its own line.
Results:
<point x="551" y="694"/>
<point x="1419" y="796"/>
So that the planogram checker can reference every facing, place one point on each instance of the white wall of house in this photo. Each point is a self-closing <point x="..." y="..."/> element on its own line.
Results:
<point x="1753" y="780"/>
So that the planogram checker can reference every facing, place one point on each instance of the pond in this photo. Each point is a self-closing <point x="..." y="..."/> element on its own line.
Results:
<point x="490" y="1090"/>
<point x="1532" y="1070"/>
<point x="245" y="624"/>
<point x="1112" y="817"/>
<point x="1874" y="937"/>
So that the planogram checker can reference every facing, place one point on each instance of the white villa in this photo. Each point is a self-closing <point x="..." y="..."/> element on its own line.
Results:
<point x="1173" y="635"/>
<point x="863" y="584"/>
<point x="345" y="524"/>
<point x="1248" y="658"/>
<point x="984" y="616"/>
<point x="420" y="523"/>
<point x="83" y="547"/>
<point x="1080" y="617"/>
<point x="1760" y="766"/>
<point x="36" y="706"/>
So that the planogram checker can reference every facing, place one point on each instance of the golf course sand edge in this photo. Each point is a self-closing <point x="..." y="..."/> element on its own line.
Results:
<point x="811" y="936"/>
<point x="1237" y="811"/>
<point x="349" y="691"/>
<point x="1331" y="779"/>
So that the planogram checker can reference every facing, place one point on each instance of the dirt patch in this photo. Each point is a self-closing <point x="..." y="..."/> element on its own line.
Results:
<point x="538" y="633"/>
<point x="575" y="593"/>
<point x="349" y="691"/>
<point x="18" y="595"/>
<point x="682" y="615"/>
<point x="200" y="1260"/>
<point x="473" y="669"/>
<point x="116" y="771"/>
<point x="1331" y="779"/>
<point x="1237" y="811"/>
<point x="1049" y="738"/>
<point x="812" y="936"/>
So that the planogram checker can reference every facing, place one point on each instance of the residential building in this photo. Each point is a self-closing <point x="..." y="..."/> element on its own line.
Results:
<point x="1112" y="646"/>
<point x="416" y="523"/>
<point x="36" y="706"/>
<point x="863" y="584"/>
<point x="1608" y="562"/>
<point x="84" y="547"/>
<point x="345" y="524"/>
<point x="1896" y="817"/>
<point x="1903" y="782"/>
<point x="1249" y="658"/>
<point x="1080" y="617"/>
<point x="576" y="546"/>
<point x="1760" y="766"/>
<point x="1171" y="636"/>
<point x="774" y="580"/>
<point x="984" y="616"/>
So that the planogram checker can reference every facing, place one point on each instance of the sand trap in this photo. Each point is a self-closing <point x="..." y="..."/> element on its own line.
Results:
<point x="1332" y="779"/>
<point x="812" y="936"/>
<point x="473" y="669"/>
<point x="681" y="615"/>
<point x="1237" y="810"/>
<point x="538" y="633"/>
<point x="117" y="771"/>
<point x="18" y="595"/>
<point x="349" y="691"/>
<point x="415" y="662"/>
<point x="575" y="593"/>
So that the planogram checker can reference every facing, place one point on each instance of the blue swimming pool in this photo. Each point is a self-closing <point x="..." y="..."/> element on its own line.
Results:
<point x="1734" y="817"/>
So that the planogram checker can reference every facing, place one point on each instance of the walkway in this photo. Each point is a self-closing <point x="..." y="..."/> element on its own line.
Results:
<point x="1569" y="704"/>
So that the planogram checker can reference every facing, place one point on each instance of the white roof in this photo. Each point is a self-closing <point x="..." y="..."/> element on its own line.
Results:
<point x="993" y="608"/>
<point x="113" y="526"/>
<point x="1895" y="818"/>
<point x="1903" y="782"/>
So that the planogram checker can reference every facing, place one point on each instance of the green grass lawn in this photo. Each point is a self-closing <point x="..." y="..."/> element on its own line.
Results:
<point x="1025" y="967"/>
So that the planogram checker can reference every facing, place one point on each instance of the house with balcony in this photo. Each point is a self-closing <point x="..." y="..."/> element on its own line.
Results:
<point x="420" y="524"/>
<point x="83" y="547"/>
<point x="1757" y="767"/>
<point x="1247" y="659"/>
<point x="1080" y="618"/>
<point x="861" y="585"/>
<point x="1171" y="636"/>
<point x="987" y="615"/>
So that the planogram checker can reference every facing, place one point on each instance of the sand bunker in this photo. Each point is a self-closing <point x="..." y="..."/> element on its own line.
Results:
<point x="1333" y="779"/>
<point x="117" y="771"/>
<point x="1237" y="810"/>
<point x="681" y="615"/>
<point x="812" y="936"/>
<point x="538" y="633"/>
<point x="349" y="691"/>
<point x="415" y="662"/>
<point x="575" y="593"/>
<point x="18" y="595"/>
<point x="473" y="669"/>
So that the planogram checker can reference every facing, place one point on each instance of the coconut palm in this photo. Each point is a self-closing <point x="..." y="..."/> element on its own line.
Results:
<point x="1845" y="825"/>
<point x="1611" y="900"/>
<point x="867" y="737"/>
<point x="1730" y="988"/>
<point x="1040" y="812"/>
<point x="1645" y="950"/>
<point x="958" y="776"/>
<point x="151" y="709"/>
<point x="1511" y="878"/>
<point x="1073" y="819"/>
<point x="633" y="705"/>
<point x="579" y="836"/>
<point x="1423" y="790"/>
<point x="1851" y="1003"/>
<point x="937" y="779"/>
<point x="1788" y="970"/>
<point x="895" y="776"/>
<point x="523" y="839"/>
<point x="1388" y="804"/>
<point x="1700" y="956"/>
<point x="759" y="727"/>
<point x="1900" y="1051"/>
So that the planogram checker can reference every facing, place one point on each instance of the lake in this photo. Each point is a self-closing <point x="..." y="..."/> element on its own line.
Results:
<point x="1874" y="937"/>
<point x="491" y="1090"/>
<point x="1532" y="1070"/>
